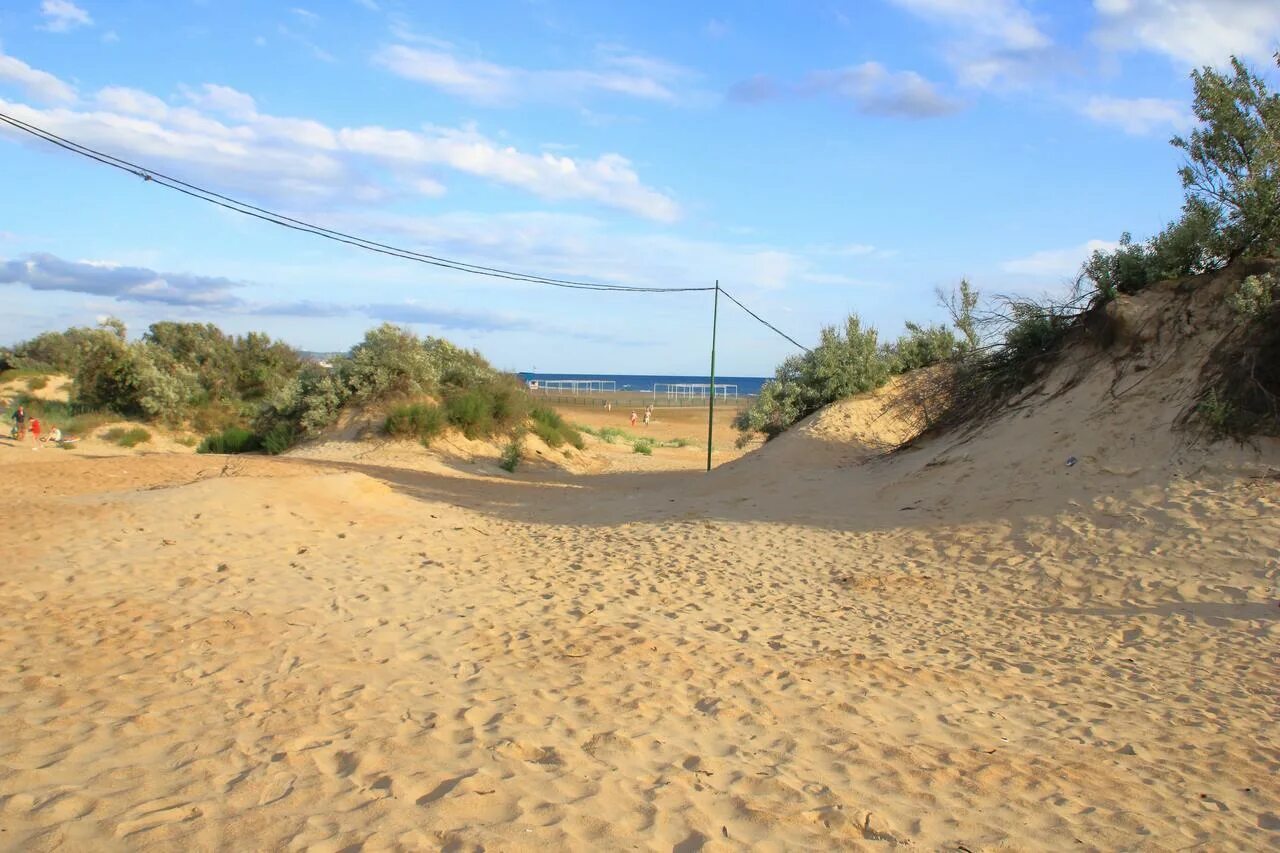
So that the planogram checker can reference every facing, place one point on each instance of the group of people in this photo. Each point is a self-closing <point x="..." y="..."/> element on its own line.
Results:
<point x="648" y="415"/>
<point x="22" y="423"/>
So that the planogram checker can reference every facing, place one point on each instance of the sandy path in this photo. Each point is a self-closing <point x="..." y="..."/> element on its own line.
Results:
<point x="300" y="655"/>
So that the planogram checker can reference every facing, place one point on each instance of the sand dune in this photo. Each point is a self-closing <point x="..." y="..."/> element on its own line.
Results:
<point x="966" y="645"/>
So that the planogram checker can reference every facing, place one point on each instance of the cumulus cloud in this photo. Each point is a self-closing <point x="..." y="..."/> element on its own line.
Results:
<point x="871" y="88"/>
<point x="618" y="72"/>
<point x="1138" y="116"/>
<point x="609" y="180"/>
<point x="991" y="42"/>
<point x="40" y="85"/>
<point x="217" y="133"/>
<point x="62" y="16"/>
<point x="1057" y="263"/>
<point x="42" y="271"/>
<point x="1191" y="32"/>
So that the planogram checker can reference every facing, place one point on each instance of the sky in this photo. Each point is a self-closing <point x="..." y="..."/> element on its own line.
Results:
<point x="815" y="158"/>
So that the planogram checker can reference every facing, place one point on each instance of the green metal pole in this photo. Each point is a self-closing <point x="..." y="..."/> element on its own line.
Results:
<point x="711" y="409"/>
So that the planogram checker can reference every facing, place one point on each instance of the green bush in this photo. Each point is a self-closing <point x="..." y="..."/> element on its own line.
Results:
<point x="921" y="347"/>
<point x="127" y="437"/>
<point x="845" y="362"/>
<point x="512" y="453"/>
<point x="551" y="428"/>
<point x="1255" y="295"/>
<point x="1216" y="414"/>
<point x="471" y="412"/>
<point x="231" y="440"/>
<point x="643" y="445"/>
<point x="278" y="439"/>
<point x="423" y="421"/>
<point x="36" y="383"/>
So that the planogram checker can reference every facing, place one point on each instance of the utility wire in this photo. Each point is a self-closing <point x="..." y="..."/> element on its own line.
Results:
<point x="256" y="212"/>
<point x="246" y="209"/>
<point x="763" y="321"/>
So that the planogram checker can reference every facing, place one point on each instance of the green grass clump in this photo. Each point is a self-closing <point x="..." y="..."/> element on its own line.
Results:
<point x="643" y="445"/>
<point x="549" y="426"/>
<point x="609" y="435"/>
<point x="423" y="421"/>
<point x="230" y="440"/>
<point x="127" y="437"/>
<point x="35" y="383"/>
<point x="279" y="438"/>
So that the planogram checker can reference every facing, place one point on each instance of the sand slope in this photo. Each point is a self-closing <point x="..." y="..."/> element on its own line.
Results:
<point x="966" y="645"/>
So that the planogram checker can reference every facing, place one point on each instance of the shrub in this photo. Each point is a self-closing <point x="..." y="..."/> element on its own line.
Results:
<point x="471" y="412"/>
<point x="512" y="453"/>
<point x="845" y="362"/>
<point x="551" y="428"/>
<point x="278" y="439"/>
<point x="1254" y="297"/>
<point x="921" y="347"/>
<point x="230" y="440"/>
<point x="1216" y="414"/>
<point x="36" y="383"/>
<point x="643" y="445"/>
<point x="423" y="421"/>
<point x="127" y="437"/>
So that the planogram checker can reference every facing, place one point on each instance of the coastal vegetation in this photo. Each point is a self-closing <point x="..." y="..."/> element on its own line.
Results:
<point x="251" y="393"/>
<point x="1230" y="219"/>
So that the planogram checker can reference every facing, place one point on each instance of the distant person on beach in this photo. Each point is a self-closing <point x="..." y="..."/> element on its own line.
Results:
<point x="648" y="413"/>
<point x="633" y="418"/>
<point x="20" y="423"/>
<point x="35" y="432"/>
<point x="55" y="435"/>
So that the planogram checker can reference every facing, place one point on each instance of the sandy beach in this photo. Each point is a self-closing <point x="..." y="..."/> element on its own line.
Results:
<point x="966" y="645"/>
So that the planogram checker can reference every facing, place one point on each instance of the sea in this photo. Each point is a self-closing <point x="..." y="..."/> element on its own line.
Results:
<point x="638" y="383"/>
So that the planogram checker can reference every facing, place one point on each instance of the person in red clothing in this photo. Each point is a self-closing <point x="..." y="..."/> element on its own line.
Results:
<point x="35" y="433"/>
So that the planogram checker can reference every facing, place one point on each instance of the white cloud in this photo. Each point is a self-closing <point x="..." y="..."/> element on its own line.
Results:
<point x="619" y="72"/>
<point x="1138" y="116"/>
<point x="40" y="85"/>
<point x="1002" y="22"/>
<point x="63" y="16"/>
<point x="130" y="284"/>
<point x="608" y="180"/>
<point x="1191" y="32"/>
<point x="876" y="90"/>
<point x="994" y="42"/>
<point x="870" y="87"/>
<point x="219" y="134"/>
<point x="1057" y="263"/>
<point x="580" y="247"/>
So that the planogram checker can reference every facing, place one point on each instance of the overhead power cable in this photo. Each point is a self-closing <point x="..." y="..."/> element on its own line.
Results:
<point x="763" y="321"/>
<point x="247" y="209"/>
<point x="282" y="220"/>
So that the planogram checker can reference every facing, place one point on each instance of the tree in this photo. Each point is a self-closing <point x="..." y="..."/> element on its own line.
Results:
<point x="1233" y="159"/>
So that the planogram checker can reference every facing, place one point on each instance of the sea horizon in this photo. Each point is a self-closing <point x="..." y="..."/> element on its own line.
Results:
<point x="748" y="386"/>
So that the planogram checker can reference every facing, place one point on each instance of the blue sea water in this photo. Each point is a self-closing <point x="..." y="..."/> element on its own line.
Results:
<point x="748" y="386"/>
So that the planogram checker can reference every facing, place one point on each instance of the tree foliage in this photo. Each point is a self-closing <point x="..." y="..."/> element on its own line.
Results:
<point x="1231" y="182"/>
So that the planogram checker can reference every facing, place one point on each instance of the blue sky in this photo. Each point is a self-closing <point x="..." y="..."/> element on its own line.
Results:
<point x="817" y="158"/>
